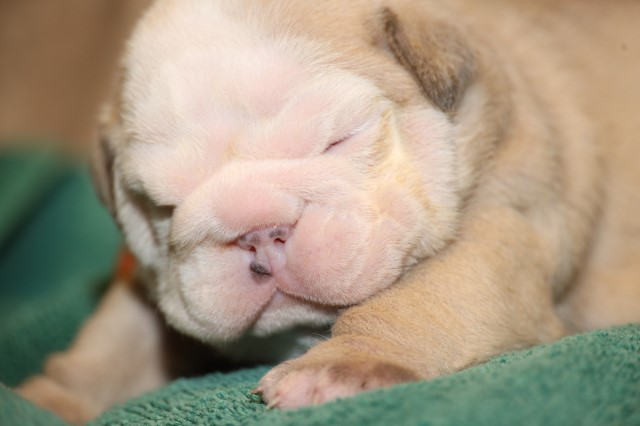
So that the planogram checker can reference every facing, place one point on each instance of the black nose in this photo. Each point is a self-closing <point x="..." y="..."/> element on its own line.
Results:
<point x="267" y="248"/>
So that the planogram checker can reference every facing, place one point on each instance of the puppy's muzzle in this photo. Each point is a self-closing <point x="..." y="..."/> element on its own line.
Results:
<point x="267" y="246"/>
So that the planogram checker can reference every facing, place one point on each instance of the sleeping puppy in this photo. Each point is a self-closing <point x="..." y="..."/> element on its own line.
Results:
<point x="434" y="182"/>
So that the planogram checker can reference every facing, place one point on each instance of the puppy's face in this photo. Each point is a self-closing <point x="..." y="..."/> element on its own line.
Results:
<point x="266" y="179"/>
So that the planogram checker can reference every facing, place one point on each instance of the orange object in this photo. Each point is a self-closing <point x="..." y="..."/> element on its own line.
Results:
<point x="126" y="266"/>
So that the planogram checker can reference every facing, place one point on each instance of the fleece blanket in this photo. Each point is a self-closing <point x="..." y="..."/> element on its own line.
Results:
<point x="57" y="248"/>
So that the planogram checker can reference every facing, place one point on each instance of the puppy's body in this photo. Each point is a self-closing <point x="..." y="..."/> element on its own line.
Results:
<point x="606" y="290"/>
<point x="583" y="58"/>
<point x="449" y="181"/>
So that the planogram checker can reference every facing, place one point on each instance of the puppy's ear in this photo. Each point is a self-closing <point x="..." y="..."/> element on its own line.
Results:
<point x="434" y="52"/>
<point x="103" y="150"/>
<point x="102" y="158"/>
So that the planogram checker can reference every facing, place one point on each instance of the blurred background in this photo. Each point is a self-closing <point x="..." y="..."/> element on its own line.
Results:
<point x="58" y="245"/>
<point x="57" y="58"/>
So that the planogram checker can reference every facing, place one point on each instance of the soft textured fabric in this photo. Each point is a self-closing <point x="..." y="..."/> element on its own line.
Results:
<point x="57" y="248"/>
<point x="56" y="253"/>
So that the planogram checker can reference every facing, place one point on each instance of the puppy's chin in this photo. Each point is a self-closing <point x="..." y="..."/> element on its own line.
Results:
<point x="253" y="317"/>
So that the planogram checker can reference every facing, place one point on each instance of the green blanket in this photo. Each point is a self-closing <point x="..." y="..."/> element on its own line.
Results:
<point x="57" y="248"/>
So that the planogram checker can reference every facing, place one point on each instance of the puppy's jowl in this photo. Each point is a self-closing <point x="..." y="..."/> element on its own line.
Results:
<point x="433" y="182"/>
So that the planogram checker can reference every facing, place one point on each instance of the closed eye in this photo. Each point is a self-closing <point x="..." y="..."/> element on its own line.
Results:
<point x="336" y="143"/>
<point x="362" y="127"/>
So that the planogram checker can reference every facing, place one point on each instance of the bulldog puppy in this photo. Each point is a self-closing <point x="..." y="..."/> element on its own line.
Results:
<point x="438" y="182"/>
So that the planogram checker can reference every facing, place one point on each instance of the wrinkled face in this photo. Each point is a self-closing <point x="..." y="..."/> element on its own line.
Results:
<point x="263" y="188"/>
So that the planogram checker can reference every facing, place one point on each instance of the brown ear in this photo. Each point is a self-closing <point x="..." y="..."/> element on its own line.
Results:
<point x="102" y="158"/>
<point x="435" y="54"/>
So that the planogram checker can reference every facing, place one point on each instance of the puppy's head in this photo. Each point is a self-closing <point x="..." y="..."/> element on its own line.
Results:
<point x="272" y="164"/>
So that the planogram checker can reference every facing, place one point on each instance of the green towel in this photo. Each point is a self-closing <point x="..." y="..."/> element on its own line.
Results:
<point x="57" y="254"/>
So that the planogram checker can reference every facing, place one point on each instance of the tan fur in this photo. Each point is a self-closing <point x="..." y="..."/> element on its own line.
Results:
<point x="538" y="223"/>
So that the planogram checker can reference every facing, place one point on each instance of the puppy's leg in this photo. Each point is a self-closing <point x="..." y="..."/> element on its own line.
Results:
<point x="487" y="293"/>
<point x="118" y="354"/>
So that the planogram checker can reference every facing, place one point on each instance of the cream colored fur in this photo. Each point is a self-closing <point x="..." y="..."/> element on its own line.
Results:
<point x="454" y="180"/>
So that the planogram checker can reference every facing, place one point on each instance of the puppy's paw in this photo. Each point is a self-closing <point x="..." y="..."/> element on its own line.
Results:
<point x="49" y="394"/>
<point x="312" y="380"/>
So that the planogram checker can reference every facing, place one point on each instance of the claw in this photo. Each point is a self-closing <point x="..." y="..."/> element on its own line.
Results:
<point x="257" y="390"/>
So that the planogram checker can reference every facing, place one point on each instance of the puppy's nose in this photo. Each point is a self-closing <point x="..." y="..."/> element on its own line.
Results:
<point x="268" y="248"/>
<point x="264" y="237"/>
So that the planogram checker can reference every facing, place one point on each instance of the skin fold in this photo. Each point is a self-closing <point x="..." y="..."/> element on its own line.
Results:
<point x="437" y="182"/>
